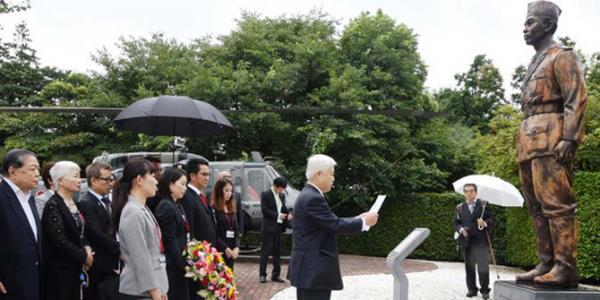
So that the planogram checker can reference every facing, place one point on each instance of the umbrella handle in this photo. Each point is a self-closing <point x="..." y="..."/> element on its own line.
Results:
<point x="482" y="211"/>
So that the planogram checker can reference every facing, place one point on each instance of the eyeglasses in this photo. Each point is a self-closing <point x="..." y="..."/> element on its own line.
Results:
<point x="107" y="179"/>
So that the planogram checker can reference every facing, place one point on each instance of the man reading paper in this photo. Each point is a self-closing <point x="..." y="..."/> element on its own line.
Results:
<point x="314" y="267"/>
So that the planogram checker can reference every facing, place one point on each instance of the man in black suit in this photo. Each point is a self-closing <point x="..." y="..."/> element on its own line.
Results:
<point x="275" y="217"/>
<point x="96" y="209"/>
<point x="314" y="266"/>
<point x="196" y="205"/>
<point x="20" y="231"/>
<point x="472" y="222"/>
<point x="197" y="208"/>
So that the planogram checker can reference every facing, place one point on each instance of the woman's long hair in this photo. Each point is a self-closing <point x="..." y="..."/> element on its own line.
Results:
<point x="217" y="199"/>
<point x="168" y="176"/>
<point x="133" y="168"/>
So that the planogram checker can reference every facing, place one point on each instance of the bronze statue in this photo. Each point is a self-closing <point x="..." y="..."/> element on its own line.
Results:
<point x="553" y="103"/>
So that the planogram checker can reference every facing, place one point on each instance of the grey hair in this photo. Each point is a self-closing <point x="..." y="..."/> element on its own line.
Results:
<point x="62" y="169"/>
<point x="318" y="162"/>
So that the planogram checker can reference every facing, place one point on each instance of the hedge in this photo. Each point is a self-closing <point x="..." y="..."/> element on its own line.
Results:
<point x="512" y="236"/>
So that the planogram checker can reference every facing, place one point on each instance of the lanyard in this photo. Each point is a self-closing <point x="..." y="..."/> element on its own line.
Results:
<point x="230" y="220"/>
<point x="186" y="224"/>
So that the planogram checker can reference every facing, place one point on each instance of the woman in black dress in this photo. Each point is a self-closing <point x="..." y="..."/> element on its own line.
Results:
<point x="174" y="228"/>
<point x="64" y="247"/>
<point x="222" y="199"/>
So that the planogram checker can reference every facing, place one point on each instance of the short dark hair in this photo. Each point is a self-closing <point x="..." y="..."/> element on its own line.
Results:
<point x="169" y="175"/>
<point x="14" y="158"/>
<point x="470" y="184"/>
<point x="93" y="171"/>
<point x="153" y="159"/>
<point x="46" y="178"/>
<point x="280" y="182"/>
<point x="193" y="165"/>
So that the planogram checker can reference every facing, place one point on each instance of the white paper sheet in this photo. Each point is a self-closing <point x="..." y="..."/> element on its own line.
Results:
<point x="376" y="207"/>
<point x="378" y="203"/>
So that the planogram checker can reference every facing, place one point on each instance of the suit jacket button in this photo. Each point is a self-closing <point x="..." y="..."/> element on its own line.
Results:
<point x="36" y="263"/>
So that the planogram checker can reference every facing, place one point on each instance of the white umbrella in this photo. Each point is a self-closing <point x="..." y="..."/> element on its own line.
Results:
<point x="492" y="189"/>
<point x="495" y="191"/>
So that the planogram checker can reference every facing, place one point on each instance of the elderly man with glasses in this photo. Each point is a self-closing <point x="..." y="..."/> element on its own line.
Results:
<point x="96" y="209"/>
<point x="472" y="222"/>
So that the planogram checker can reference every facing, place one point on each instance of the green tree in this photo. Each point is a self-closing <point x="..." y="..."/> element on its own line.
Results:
<point x="516" y="83"/>
<point x="497" y="149"/>
<point x="478" y="93"/>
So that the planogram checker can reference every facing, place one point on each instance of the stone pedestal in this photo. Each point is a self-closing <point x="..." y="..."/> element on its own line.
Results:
<point x="509" y="290"/>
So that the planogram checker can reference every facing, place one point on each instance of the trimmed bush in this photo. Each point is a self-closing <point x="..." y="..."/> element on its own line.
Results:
<point x="587" y="188"/>
<point x="513" y="237"/>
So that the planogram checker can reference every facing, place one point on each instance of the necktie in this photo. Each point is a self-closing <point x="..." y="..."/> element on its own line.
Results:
<point x="107" y="205"/>
<point x="203" y="198"/>
<point x="34" y="211"/>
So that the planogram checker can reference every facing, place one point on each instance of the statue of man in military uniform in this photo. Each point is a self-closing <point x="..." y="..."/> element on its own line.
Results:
<point x="553" y="103"/>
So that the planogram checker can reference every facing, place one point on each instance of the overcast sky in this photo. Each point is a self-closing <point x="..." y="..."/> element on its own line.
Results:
<point x="450" y="32"/>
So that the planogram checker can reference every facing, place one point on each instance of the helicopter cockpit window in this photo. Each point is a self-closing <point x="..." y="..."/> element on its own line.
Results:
<point x="257" y="183"/>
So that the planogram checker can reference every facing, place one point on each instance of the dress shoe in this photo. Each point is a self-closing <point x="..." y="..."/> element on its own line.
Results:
<point x="277" y="279"/>
<point x="471" y="294"/>
<point x="262" y="279"/>
<point x="485" y="296"/>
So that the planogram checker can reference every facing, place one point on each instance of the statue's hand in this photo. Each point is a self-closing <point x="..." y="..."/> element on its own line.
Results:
<point x="565" y="151"/>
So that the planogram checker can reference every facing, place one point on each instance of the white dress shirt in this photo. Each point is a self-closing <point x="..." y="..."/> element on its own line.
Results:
<point x="24" y="201"/>
<point x="99" y="198"/>
<point x="279" y="206"/>
<point x="195" y="189"/>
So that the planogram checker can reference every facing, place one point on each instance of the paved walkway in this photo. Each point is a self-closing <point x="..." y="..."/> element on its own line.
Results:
<point x="246" y="272"/>
<point x="368" y="278"/>
<point x="445" y="282"/>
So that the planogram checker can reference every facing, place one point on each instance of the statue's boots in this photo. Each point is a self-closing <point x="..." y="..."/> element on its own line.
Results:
<point x="545" y="251"/>
<point x="564" y="231"/>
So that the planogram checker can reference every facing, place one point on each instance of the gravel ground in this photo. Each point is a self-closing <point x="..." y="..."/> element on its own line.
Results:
<point x="446" y="282"/>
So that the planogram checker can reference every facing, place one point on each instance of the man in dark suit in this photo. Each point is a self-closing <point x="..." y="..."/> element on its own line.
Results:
<point x="275" y="217"/>
<point x="96" y="209"/>
<point x="472" y="221"/>
<point x="196" y="205"/>
<point x="197" y="208"/>
<point x="314" y="266"/>
<point x="20" y="231"/>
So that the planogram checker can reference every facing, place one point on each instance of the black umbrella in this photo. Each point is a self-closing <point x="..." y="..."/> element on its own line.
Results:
<point x="172" y="116"/>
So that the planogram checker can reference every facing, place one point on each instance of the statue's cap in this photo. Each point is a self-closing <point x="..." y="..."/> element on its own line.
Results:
<point x="545" y="8"/>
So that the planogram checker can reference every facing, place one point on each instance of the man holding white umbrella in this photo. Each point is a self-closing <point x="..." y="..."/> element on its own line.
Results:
<point x="472" y="221"/>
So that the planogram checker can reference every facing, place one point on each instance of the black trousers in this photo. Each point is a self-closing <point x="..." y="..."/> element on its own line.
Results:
<point x="310" y="294"/>
<point x="92" y="292"/>
<point x="477" y="256"/>
<point x="271" y="242"/>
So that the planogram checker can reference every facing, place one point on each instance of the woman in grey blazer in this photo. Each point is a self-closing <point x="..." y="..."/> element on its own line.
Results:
<point x="144" y="275"/>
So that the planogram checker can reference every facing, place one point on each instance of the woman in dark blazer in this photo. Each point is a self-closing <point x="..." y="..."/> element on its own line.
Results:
<point x="223" y="201"/>
<point x="64" y="248"/>
<point x="174" y="228"/>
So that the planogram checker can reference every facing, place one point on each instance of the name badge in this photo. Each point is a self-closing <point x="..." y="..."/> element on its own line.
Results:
<point x="230" y="234"/>
<point x="162" y="260"/>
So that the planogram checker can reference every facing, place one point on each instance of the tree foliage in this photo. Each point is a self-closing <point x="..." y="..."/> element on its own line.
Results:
<point x="288" y="62"/>
<point x="479" y="91"/>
